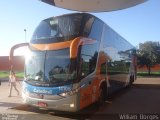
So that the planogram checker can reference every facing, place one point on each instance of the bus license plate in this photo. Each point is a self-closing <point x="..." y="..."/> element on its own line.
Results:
<point x="42" y="104"/>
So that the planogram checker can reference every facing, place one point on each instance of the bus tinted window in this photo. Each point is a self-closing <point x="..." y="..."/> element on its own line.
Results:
<point x="87" y="25"/>
<point x="96" y="30"/>
<point x="50" y="67"/>
<point x="57" y="66"/>
<point x="89" y="56"/>
<point x="57" y="29"/>
<point x="112" y="39"/>
<point x="34" y="69"/>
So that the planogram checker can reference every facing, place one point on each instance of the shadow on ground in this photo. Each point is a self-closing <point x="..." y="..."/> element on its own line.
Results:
<point x="139" y="98"/>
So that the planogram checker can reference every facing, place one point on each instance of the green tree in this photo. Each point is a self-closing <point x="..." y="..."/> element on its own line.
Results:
<point x="157" y="53"/>
<point x="148" y="54"/>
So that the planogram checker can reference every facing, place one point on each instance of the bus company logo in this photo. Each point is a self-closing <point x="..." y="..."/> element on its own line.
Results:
<point x="42" y="91"/>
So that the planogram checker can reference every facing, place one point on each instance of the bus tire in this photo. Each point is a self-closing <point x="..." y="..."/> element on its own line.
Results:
<point x="131" y="80"/>
<point x="102" y="96"/>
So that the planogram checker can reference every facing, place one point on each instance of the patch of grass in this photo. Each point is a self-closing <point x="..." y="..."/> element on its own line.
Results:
<point x="20" y="74"/>
<point x="5" y="74"/>
<point x="145" y="74"/>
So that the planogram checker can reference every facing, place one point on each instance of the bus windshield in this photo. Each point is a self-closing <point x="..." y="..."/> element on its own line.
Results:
<point x="49" y="67"/>
<point x="57" y="29"/>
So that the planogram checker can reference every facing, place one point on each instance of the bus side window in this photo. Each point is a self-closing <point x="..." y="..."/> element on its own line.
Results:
<point x="88" y="59"/>
<point x="86" y="65"/>
<point x="96" y="31"/>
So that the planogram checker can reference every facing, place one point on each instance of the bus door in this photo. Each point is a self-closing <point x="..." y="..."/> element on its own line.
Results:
<point x="89" y="90"/>
<point x="86" y="91"/>
<point x="87" y="83"/>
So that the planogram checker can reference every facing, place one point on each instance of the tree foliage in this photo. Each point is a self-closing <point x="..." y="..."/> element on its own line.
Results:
<point x="148" y="54"/>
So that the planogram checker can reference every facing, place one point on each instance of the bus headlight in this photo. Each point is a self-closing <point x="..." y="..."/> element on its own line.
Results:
<point x="69" y="93"/>
<point x="72" y="105"/>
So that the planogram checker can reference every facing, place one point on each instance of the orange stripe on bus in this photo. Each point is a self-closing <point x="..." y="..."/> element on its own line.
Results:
<point x="72" y="44"/>
<point x="51" y="46"/>
<point x="78" y="42"/>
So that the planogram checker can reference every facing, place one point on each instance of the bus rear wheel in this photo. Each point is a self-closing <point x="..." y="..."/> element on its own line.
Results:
<point x="131" y="80"/>
<point x="102" y="97"/>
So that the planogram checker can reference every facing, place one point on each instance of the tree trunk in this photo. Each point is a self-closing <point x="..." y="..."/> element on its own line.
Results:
<point x="149" y="70"/>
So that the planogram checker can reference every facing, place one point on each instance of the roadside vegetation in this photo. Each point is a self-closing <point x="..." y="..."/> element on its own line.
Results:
<point x="5" y="74"/>
<point x="148" y="55"/>
<point x="145" y="74"/>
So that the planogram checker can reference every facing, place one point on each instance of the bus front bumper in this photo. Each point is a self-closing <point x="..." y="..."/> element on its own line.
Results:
<point x="68" y="104"/>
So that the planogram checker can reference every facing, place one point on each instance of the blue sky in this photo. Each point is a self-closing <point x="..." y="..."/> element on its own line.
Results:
<point x="137" y="24"/>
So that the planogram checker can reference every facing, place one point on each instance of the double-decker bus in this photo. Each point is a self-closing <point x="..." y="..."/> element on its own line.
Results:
<point x="76" y="60"/>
